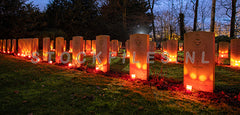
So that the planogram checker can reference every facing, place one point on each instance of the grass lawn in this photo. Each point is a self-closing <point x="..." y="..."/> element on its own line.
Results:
<point x="28" y="88"/>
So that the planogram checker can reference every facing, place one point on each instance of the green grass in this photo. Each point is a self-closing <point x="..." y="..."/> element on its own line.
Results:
<point x="49" y="89"/>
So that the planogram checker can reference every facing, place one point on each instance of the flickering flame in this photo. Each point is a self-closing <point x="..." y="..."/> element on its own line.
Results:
<point x="133" y="76"/>
<point x="29" y="56"/>
<point x="18" y="54"/>
<point x="189" y="88"/>
<point x="181" y="49"/>
<point x="69" y="65"/>
<point x="50" y="62"/>
<point x="97" y="68"/>
<point x="8" y="51"/>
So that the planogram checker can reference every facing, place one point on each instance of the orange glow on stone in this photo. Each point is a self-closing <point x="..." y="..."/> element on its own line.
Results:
<point x="103" y="45"/>
<point x="93" y="47"/>
<point x="59" y="46"/>
<point x="185" y="71"/>
<point x="14" y="43"/>
<point x="223" y="49"/>
<point x="200" y="74"/>
<point x="193" y="76"/>
<point x="139" y="43"/>
<point x="70" y="46"/>
<point x="52" y="45"/>
<point x="172" y="48"/>
<point x="46" y="48"/>
<point x="77" y="47"/>
<point x="202" y="78"/>
<point x="235" y="53"/>
<point x="139" y="66"/>
<point x="88" y="47"/>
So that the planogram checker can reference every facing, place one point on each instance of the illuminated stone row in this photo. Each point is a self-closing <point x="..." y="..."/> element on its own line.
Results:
<point x="199" y="55"/>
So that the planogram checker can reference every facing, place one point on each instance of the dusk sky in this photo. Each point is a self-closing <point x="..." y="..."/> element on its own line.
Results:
<point x="41" y="3"/>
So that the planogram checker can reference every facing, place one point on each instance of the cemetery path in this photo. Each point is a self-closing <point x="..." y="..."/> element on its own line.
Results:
<point x="28" y="88"/>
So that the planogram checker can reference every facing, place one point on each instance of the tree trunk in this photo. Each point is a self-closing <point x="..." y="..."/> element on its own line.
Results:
<point x="195" y="16"/>
<point x="213" y="16"/>
<point x="152" y="18"/>
<point x="232" y="31"/>
<point x="181" y="23"/>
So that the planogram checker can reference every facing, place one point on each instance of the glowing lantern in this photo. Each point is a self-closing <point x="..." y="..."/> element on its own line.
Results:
<point x="20" y="41"/>
<point x="110" y="48"/>
<point x="88" y="47"/>
<point x="14" y="43"/>
<point x="59" y="48"/>
<point x="25" y="47"/>
<point x="127" y="46"/>
<point x="235" y="53"/>
<point x="65" y="45"/>
<point x="133" y="76"/>
<point x="52" y="45"/>
<point x="223" y="49"/>
<point x="199" y="60"/>
<point x="84" y="45"/>
<point x="77" y="46"/>
<point x="69" y="65"/>
<point x="4" y="45"/>
<point x="189" y="88"/>
<point x="34" y="45"/>
<point x="152" y="46"/>
<point x="94" y="46"/>
<point x="119" y="45"/>
<point x="97" y="68"/>
<point x="46" y="48"/>
<point x="114" y="47"/>
<point x="70" y="49"/>
<point x="164" y="46"/>
<point x="139" y="45"/>
<point x="180" y="47"/>
<point x="102" y="46"/>
<point x="8" y="45"/>
<point x="172" y="48"/>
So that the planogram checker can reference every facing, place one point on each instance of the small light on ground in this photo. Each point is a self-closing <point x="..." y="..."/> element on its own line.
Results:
<point x="133" y="76"/>
<point x="97" y="68"/>
<point x="69" y="65"/>
<point x="189" y="88"/>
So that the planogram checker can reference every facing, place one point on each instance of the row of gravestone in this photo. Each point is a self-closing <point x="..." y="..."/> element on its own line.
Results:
<point x="199" y="56"/>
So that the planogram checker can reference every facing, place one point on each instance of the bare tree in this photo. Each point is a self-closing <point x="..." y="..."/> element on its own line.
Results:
<point x="213" y="16"/>
<point x="151" y="4"/>
<point x="231" y="6"/>
<point x="233" y="18"/>
<point x="195" y="16"/>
